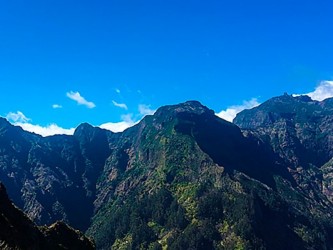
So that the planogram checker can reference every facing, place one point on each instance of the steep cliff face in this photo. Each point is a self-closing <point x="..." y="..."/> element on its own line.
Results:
<point x="300" y="131"/>
<point x="50" y="177"/>
<point x="297" y="128"/>
<point x="184" y="178"/>
<point x="17" y="231"/>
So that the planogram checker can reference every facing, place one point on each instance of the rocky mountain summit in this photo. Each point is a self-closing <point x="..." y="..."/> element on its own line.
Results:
<point x="300" y="131"/>
<point x="184" y="178"/>
<point x="298" y="128"/>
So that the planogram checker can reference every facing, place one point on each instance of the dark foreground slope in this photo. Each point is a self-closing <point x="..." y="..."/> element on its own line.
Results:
<point x="182" y="179"/>
<point x="17" y="231"/>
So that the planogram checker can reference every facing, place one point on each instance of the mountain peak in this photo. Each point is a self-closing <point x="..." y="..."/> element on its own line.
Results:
<point x="303" y="98"/>
<point x="192" y="106"/>
<point x="284" y="106"/>
<point x="84" y="125"/>
<point x="84" y="129"/>
<point x="286" y="98"/>
<point x="193" y="103"/>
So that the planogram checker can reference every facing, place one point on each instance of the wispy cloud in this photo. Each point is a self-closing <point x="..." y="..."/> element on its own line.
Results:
<point x="230" y="113"/>
<point x="116" y="126"/>
<point x="76" y="96"/>
<point x="323" y="91"/>
<point x="117" y="91"/>
<point x="120" y="105"/>
<point x="17" y="117"/>
<point x="56" y="106"/>
<point x="126" y="122"/>
<point x="52" y="129"/>
<point x="145" y="110"/>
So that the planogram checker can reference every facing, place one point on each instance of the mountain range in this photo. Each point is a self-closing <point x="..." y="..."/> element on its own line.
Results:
<point x="183" y="178"/>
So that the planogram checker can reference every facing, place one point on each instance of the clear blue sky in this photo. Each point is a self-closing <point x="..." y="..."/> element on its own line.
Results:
<point x="157" y="52"/>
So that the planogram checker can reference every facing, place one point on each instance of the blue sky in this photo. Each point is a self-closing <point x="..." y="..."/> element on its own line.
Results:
<point x="68" y="62"/>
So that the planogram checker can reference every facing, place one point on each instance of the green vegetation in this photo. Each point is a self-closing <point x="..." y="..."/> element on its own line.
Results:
<point x="185" y="179"/>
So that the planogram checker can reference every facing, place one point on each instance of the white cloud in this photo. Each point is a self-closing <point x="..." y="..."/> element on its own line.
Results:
<point x="76" y="96"/>
<point x="323" y="91"/>
<point x="56" y="106"/>
<point x="52" y="129"/>
<point x="120" y="105"/>
<point x="127" y="120"/>
<point x="17" y="117"/>
<point x="145" y="110"/>
<point x="230" y="113"/>
<point x="117" y="90"/>
<point x="115" y="127"/>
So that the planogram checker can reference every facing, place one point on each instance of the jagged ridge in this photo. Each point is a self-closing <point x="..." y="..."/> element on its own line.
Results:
<point x="182" y="178"/>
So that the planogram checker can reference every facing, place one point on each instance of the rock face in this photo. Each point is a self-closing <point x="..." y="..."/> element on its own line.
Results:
<point x="298" y="128"/>
<point x="17" y="231"/>
<point x="184" y="178"/>
<point x="50" y="177"/>
<point x="300" y="131"/>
